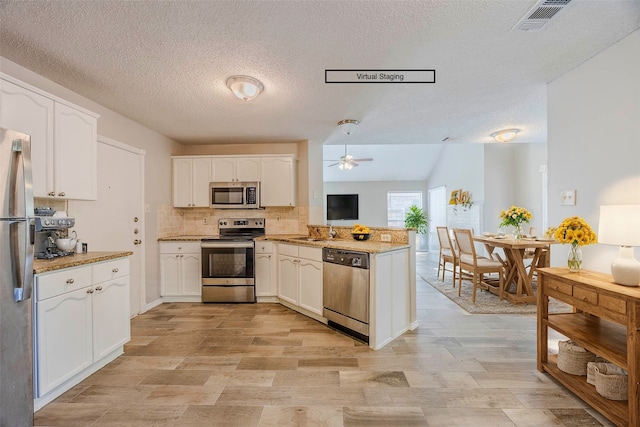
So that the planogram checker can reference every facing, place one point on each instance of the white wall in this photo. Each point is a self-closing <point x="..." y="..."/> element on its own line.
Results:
<point x="594" y="141"/>
<point x="115" y="126"/>
<point x="512" y="177"/>
<point x="372" y="198"/>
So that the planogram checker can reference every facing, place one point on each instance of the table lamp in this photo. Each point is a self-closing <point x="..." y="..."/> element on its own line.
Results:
<point x="620" y="225"/>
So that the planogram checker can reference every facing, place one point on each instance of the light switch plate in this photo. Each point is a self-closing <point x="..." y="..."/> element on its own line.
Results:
<point x="568" y="198"/>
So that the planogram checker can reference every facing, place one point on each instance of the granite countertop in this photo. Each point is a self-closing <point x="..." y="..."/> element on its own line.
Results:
<point x="352" y="245"/>
<point x="190" y="238"/>
<point x="46" y="265"/>
<point x="298" y="239"/>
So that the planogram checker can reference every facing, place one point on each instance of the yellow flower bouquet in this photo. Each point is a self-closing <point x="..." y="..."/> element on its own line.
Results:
<point x="515" y="216"/>
<point x="575" y="231"/>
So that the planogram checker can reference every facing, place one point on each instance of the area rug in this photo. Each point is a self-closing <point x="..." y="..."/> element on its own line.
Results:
<point x="486" y="302"/>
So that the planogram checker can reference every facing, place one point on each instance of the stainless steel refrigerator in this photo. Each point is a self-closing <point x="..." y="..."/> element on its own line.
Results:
<point x="16" y="280"/>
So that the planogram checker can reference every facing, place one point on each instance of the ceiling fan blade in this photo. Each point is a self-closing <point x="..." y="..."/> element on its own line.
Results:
<point x="368" y="159"/>
<point x="333" y="164"/>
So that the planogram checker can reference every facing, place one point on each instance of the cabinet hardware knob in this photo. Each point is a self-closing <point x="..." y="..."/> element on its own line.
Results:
<point x="89" y="291"/>
<point x="70" y="281"/>
<point x="137" y="242"/>
<point x="51" y="193"/>
<point x="135" y="219"/>
<point x="181" y="256"/>
<point x="136" y="231"/>
<point x="99" y="288"/>
<point x="61" y="194"/>
<point x="115" y="270"/>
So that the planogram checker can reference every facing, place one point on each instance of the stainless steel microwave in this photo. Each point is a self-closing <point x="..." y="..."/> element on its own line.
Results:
<point x="234" y="195"/>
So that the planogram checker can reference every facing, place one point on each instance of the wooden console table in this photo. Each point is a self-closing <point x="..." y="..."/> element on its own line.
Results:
<point x="606" y="321"/>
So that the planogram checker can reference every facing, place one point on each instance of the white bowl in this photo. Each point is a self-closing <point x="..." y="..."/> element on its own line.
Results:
<point x="66" y="244"/>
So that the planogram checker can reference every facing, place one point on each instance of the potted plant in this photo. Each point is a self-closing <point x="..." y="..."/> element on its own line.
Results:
<point x="416" y="218"/>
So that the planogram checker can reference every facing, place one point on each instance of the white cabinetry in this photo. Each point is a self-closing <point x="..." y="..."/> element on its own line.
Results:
<point x="180" y="270"/>
<point x="266" y="268"/>
<point x="300" y="277"/>
<point x="278" y="181"/>
<point x="81" y="323"/>
<point x="228" y="169"/>
<point x="63" y="140"/>
<point x="191" y="177"/>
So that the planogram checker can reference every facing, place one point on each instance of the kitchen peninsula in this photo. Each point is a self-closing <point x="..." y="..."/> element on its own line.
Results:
<point x="289" y="270"/>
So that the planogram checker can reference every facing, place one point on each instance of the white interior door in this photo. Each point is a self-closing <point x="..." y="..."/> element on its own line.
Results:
<point x="115" y="221"/>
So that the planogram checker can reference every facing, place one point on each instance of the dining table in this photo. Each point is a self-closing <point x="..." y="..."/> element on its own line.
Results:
<point x="518" y="281"/>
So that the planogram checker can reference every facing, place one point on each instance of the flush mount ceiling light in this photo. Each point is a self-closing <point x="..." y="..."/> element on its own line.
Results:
<point x="505" y="135"/>
<point x="348" y="125"/>
<point x="245" y="87"/>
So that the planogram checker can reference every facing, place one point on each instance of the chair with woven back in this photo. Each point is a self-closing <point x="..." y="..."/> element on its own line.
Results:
<point x="476" y="266"/>
<point x="448" y="253"/>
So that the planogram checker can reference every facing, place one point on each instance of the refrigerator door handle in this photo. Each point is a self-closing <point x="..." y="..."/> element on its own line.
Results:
<point x="22" y="263"/>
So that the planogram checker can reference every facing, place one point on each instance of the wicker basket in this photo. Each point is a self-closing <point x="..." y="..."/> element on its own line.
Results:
<point x="612" y="381"/>
<point x="573" y="359"/>
<point x="591" y="369"/>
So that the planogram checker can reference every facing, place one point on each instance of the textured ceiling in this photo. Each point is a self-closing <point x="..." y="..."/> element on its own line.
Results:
<point x="164" y="64"/>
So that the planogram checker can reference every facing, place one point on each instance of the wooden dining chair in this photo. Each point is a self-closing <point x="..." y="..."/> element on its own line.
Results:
<point x="448" y="253"/>
<point x="476" y="266"/>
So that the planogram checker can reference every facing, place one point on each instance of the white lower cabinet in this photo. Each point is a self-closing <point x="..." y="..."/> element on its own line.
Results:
<point x="265" y="270"/>
<point x="180" y="269"/>
<point x="300" y="276"/>
<point x="81" y="322"/>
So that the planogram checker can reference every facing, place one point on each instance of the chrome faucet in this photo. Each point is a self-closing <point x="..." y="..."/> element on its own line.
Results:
<point x="332" y="233"/>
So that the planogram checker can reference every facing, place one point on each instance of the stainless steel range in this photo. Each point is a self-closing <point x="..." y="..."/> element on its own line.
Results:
<point x="228" y="273"/>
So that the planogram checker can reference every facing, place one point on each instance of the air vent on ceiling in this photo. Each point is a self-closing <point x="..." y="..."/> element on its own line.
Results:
<point x="540" y="15"/>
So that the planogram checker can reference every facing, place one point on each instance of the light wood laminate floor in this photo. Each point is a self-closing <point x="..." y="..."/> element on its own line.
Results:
<point x="265" y="365"/>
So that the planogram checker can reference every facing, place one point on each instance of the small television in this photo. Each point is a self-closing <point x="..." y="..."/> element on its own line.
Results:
<point x="342" y="206"/>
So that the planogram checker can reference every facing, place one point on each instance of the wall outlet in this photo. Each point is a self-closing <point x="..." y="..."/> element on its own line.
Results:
<point x="205" y="220"/>
<point x="385" y="237"/>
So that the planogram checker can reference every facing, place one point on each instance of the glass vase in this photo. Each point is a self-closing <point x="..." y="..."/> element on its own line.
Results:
<point x="518" y="232"/>
<point x="574" y="260"/>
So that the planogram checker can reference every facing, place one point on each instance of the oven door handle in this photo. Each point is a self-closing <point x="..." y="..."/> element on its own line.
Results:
<point x="207" y="245"/>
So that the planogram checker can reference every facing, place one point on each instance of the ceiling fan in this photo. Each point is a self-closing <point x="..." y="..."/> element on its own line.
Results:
<point x="347" y="161"/>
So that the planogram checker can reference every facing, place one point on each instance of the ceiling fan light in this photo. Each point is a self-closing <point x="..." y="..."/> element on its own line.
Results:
<point x="245" y="88"/>
<point x="348" y="125"/>
<point x="505" y="135"/>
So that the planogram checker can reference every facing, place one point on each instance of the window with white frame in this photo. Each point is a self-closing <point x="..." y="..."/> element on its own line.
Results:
<point x="398" y="203"/>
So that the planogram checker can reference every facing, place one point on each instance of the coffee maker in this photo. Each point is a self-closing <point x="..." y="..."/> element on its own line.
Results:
<point x="46" y="230"/>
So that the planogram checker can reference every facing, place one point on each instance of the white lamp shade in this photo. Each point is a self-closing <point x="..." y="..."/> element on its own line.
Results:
<point x="619" y="225"/>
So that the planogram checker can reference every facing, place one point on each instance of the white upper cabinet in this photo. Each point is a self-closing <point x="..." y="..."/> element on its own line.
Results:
<point x="191" y="177"/>
<point x="278" y="183"/>
<point x="31" y="113"/>
<point x="230" y="169"/>
<point x="74" y="156"/>
<point x="63" y="140"/>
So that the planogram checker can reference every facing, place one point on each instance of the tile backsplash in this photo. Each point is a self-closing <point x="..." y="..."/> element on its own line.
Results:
<point x="191" y="221"/>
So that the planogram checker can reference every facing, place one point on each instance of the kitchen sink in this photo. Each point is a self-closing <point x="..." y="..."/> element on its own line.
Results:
<point x="309" y="239"/>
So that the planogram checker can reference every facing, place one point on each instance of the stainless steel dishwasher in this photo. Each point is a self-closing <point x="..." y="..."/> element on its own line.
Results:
<point x="346" y="291"/>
